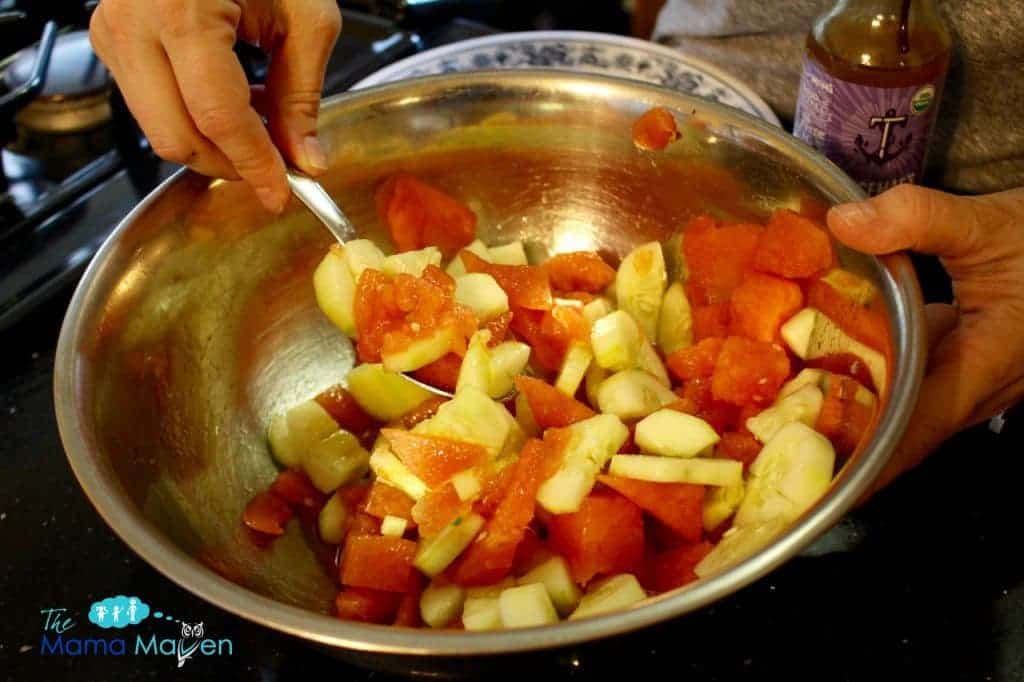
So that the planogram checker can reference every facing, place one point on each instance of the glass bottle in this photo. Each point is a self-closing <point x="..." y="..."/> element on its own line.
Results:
<point x="870" y="88"/>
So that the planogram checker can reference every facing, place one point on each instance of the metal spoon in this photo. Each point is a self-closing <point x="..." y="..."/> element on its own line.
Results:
<point x="312" y="194"/>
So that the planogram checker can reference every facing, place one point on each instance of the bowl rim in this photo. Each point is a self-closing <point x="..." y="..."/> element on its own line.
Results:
<point x="119" y="512"/>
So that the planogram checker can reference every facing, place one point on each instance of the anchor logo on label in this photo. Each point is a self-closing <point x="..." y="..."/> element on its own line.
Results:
<point x="888" y="147"/>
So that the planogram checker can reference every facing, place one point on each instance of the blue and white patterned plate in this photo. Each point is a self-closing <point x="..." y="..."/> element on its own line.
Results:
<point x="581" y="51"/>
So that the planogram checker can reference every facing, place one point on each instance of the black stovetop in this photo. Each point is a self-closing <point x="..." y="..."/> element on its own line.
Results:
<point x="922" y="582"/>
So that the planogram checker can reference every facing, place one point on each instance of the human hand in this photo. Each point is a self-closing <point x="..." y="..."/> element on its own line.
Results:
<point x="976" y="363"/>
<point x="173" y="61"/>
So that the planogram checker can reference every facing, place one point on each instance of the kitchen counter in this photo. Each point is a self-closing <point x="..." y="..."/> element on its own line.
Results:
<point x="925" y="581"/>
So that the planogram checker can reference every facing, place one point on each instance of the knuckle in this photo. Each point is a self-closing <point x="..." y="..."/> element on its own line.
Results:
<point x="305" y="103"/>
<point x="325" y="19"/>
<point x="217" y="123"/>
<point x="172" y="149"/>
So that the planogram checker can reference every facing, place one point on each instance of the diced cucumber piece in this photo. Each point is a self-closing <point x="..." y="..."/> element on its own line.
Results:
<point x="806" y="377"/>
<point x="699" y="470"/>
<point x="640" y="284"/>
<point x="574" y="367"/>
<point x="297" y="430"/>
<point x="598" y="308"/>
<point x="480" y="292"/>
<point x="647" y="360"/>
<point x="524" y="415"/>
<point x="472" y="416"/>
<point x="467" y="485"/>
<point x="738" y="544"/>
<point x="335" y="461"/>
<point x="616" y="340"/>
<point x="811" y="334"/>
<point x="389" y="469"/>
<point x="675" y="324"/>
<point x="489" y="591"/>
<point x="475" y="371"/>
<point x="411" y="262"/>
<point x="332" y="520"/>
<point x="335" y="291"/>
<point x="439" y="604"/>
<point x="420" y="352"/>
<point x="802" y="406"/>
<point x="384" y="395"/>
<point x="481" y="614"/>
<point x="592" y="441"/>
<point x="632" y="394"/>
<point x="554" y="575"/>
<point x="792" y="471"/>
<point x="393" y="526"/>
<point x="526" y="606"/>
<point x="721" y="502"/>
<point x="456" y="268"/>
<point x="667" y="432"/>
<point x="611" y="594"/>
<point x="512" y="253"/>
<point x="592" y="381"/>
<point x="675" y="262"/>
<point x="508" y="360"/>
<point x="437" y="553"/>
<point x="363" y="254"/>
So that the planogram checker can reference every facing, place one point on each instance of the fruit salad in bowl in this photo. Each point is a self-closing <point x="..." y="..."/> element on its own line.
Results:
<point x="613" y="431"/>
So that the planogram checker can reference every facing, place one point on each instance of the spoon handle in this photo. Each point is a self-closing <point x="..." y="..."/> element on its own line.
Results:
<point x="319" y="202"/>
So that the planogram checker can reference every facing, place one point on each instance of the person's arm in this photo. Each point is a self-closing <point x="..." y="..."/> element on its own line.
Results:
<point x="174" y="64"/>
<point x="976" y="364"/>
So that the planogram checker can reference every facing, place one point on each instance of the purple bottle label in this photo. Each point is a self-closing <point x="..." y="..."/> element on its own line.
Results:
<point x="879" y="136"/>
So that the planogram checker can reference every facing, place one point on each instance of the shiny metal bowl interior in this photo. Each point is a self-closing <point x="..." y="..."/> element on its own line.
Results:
<point x="197" y="321"/>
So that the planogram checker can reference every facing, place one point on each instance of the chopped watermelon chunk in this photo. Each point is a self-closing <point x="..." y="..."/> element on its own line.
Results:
<point x="526" y="286"/>
<point x="267" y="513"/>
<point x="422" y="412"/>
<point x="490" y="557"/>
<point x="742" y="447"/>
<point x="295" y="488"/>
<point x="527" y="326"/>
<point x="579" y="271"/>
<point x="846" y="364"/>
<point x="366" y="606"/>
<point x="696" y="361"/>
<point x="793" y="246"/>
<point x="760" y="304"/>
<point x="408" y="615"/>
<point x="434" y="459"/>
<point x="605" y="537"/>
<point x="678" y="505"/>
<point x="437" y="509"/>
<point x="418" y="215"/>
<point x="340" y="404"/>
<point x="749" y="371"/>
<point x="718" y="256"/>
<point x="674" y="567"/>
<point x="377" y="562"/>
<point x="843" y="419"/>
<point x="442" y="373"/>
<point x="695" y="398"/>
<point x="655" y="129"/>
<point x="385" y="500"/>
<point x="710" y="321"/>
<point x="498" y="327"/>
<point x="551" y="407"/>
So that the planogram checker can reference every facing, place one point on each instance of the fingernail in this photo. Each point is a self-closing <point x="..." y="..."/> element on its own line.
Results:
<point x="858" y="213"/>
<point x="271" y="199"/>
<point x="315" y="155"/>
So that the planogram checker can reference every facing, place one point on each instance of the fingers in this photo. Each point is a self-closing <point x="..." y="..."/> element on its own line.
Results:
<point x="298" y="62"/>
<point x="915" y="218"/>
<point x="216" y="96"/>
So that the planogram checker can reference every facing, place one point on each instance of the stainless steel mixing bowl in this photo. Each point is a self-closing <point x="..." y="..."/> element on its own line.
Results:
<point x="196" y="321"/>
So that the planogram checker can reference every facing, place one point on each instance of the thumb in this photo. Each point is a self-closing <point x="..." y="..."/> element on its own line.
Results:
<point x="295" y="79"/>
<point x="914" y="218"/>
